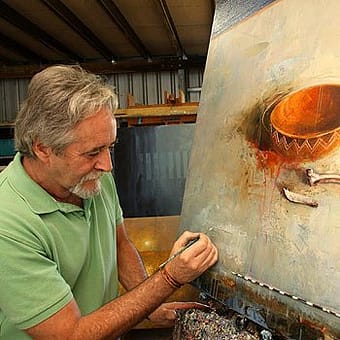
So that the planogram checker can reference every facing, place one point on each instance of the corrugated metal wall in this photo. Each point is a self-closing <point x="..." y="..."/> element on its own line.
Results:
<point x="147" y="88"/>
<point x="12" y="92"/>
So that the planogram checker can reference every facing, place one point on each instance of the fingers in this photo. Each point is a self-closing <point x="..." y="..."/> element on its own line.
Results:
<point x="186" y="237"/>
<point x="196" y="248"/>
<point x="203" y="252"/>
<point x="208" y="256"/>
<point x="188" y="305"/>
<point x="194" y="260"/>
<point x="164" y="316"/>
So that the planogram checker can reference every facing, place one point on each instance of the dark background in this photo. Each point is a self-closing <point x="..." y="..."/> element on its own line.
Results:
<point x="150" y="167"/>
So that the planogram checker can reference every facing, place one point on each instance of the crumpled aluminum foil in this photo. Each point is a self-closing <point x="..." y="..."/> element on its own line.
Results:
<point x="196" y="324"/>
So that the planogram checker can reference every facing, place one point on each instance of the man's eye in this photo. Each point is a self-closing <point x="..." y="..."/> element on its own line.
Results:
<point x="93" y="153"/>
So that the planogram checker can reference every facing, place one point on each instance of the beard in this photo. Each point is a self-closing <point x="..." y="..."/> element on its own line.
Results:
<point x="81" y="191"/>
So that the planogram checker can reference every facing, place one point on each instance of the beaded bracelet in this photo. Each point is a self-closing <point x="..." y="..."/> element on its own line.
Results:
<point x="169" y="279"/>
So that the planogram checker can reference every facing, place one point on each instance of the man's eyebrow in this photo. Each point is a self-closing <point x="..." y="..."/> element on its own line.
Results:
<point x="99" y="148"/>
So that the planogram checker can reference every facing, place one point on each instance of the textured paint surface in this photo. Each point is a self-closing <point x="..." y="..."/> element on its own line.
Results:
<point x="235" y="179"/>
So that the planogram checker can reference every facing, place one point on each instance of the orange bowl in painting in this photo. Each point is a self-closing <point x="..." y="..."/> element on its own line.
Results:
<point x="305" y="125"/>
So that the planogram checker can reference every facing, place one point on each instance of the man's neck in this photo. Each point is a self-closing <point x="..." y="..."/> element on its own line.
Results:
<point x="36" y="170"/>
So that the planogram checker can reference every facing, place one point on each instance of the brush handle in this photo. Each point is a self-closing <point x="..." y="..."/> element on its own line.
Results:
<point x="180" y="251"/>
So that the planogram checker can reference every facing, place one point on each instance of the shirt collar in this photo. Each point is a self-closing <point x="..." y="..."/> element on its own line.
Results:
<point x="37" y="198"/>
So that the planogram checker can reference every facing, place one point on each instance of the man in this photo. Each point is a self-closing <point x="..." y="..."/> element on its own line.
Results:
<point x="63" y="245"/>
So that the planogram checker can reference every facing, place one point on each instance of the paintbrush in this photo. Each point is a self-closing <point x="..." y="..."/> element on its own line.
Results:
<point x="179" y="251"/>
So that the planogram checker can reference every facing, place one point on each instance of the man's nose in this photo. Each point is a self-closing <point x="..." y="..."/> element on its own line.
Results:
<point x="104" y="162"/>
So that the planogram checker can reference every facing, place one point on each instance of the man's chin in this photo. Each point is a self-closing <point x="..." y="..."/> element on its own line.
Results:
<point x="87" y="189"/>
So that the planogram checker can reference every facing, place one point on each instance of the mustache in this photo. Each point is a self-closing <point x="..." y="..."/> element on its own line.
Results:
<point x="92" y="175"/>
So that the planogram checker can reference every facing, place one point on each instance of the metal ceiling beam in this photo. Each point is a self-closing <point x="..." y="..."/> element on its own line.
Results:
<point x="19" y="49"/>
<point x="125" y="27"/>
<point x="18" y="20"/>
<point x="171" y="28"/>
<point x="126" y="66"/>
<point x="77" y="25"/>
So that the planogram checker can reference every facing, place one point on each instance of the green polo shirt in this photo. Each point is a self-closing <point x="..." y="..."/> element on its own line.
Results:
<point x="51" y="252"/>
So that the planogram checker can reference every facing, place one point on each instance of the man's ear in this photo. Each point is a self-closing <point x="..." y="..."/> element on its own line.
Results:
<point x="42" y="152"/>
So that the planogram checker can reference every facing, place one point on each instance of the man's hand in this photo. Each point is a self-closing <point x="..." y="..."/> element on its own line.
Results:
<point x="193" y="261"/>
<point x="165" y="314"/>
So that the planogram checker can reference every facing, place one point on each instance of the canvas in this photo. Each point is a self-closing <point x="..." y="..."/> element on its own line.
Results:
<point x="269" y="112"/>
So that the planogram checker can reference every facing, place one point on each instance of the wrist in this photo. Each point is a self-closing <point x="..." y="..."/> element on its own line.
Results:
<point x="169" y="279"/>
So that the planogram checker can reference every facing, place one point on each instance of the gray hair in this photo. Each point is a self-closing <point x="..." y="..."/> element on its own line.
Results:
<point x="58" y="98"/>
